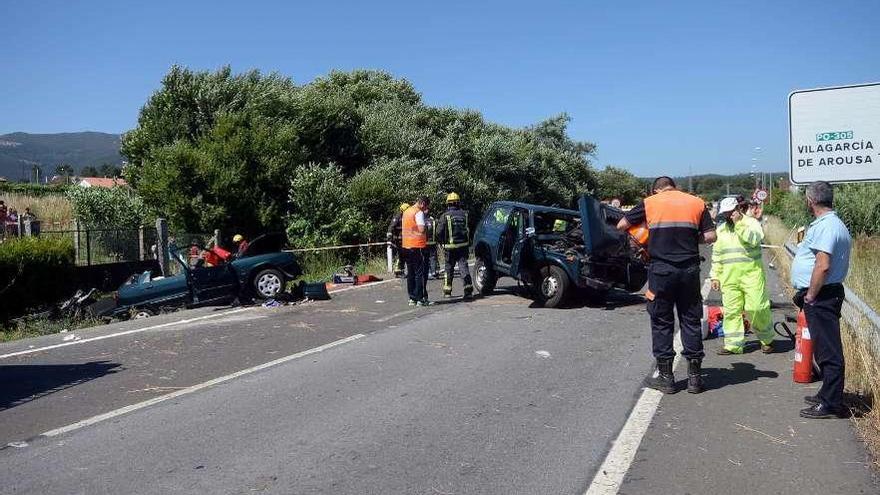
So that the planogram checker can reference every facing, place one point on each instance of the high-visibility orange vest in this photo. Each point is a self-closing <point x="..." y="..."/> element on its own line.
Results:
<point x="410" y="236"/>
<point x="673" y="209"/>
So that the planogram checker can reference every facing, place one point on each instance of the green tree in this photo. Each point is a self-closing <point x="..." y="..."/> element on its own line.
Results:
<point x="218" y="150"/>
<point x="89" y="171"/>
<point x="614" y="182"/>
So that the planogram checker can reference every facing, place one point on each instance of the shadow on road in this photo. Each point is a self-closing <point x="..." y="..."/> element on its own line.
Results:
<point x="24" y="383"/>
<point x="715" y="378"/>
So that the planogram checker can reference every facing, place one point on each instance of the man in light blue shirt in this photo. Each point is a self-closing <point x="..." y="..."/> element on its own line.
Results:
<point x="817" y="272"/>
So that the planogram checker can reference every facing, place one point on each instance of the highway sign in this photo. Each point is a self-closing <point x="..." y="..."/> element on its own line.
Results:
<point x="834" y="134"/>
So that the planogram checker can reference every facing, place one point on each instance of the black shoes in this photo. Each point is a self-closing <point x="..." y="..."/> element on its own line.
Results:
<point x="821" y="411"/>
<point x="695" y="379"/>
<point x="812" y="399"/>
<point x="661" y="379"/>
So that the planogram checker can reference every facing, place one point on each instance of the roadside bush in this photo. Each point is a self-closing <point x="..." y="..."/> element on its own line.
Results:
<point x="857" y="204"/>
<point x="237" y="152"/>
<point x="34" y="271"/>
<point x="32" y="189"/>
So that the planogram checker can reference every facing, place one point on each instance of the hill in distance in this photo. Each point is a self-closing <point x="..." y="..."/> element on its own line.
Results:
<point x="20" y="151"/>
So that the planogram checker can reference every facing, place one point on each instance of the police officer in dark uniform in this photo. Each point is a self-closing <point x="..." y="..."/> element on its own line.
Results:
<point x="677" y="224"/>
<point x="453" y="230"/>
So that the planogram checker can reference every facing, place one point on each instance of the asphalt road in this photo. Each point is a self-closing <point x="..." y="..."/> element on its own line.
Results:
<point x="490" y="396"/>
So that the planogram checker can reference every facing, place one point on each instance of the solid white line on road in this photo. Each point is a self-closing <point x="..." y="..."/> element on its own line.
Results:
<point x="119" y="334"/>
<point x="194" y="388"/>
<point x="395" y="315"/>
<point x="612" y="471"/>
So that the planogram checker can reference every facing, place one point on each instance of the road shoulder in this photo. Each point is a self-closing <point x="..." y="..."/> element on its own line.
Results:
<point x="744" y="435"/>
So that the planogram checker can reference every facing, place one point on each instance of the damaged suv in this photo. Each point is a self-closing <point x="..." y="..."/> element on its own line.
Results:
<point x="555" y="251"/>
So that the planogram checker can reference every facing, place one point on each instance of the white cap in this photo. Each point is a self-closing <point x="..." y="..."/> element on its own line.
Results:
<point x="727" y="205"/>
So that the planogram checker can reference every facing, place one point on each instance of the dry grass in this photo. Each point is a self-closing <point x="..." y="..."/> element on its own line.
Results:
<point x="862" y="363"/>
<point x="54" y="210"/>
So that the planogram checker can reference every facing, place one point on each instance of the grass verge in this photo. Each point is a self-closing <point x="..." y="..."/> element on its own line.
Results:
<point x="862" y="362"/>
<point x="42" y="326"/>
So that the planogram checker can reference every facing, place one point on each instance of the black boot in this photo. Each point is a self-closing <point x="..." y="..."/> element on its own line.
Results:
<point x="662" y="378"/>
<point x="695" y="380"/>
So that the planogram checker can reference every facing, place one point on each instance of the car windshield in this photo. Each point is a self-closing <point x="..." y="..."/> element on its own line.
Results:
<point x="265" y="244"/>
<point x="551" y="223"/>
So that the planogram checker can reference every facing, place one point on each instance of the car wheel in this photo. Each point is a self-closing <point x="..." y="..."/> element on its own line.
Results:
<point x="269" y="283"/>
<point x="141" y="313"/>
<point x="484" y="277"/>
<point x="552" y="286"/>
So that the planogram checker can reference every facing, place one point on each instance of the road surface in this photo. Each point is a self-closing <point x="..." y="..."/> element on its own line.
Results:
<point x="361" y="394"/>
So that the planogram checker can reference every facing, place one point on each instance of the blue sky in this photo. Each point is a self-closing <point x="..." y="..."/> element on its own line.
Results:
<point x="660" y="87"/>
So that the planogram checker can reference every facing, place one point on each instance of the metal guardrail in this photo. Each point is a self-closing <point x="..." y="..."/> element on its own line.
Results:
<point x="860" y="316"/>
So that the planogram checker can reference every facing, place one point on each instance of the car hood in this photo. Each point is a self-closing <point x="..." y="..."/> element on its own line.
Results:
<point x="599" y="235"/>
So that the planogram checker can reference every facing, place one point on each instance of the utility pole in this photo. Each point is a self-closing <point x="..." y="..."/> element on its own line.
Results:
<point x="690" y="179"/>
<point x="728" y="188"/>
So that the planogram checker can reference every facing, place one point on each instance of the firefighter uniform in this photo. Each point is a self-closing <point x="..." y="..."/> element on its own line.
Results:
<point x="431" y="234"/>
<point x="453" y="230"/>
<point x="676" y="221"/>
<point x="737" y="265"/>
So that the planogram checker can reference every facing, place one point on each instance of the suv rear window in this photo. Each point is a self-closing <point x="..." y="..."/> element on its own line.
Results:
<point x="497" y="217"/>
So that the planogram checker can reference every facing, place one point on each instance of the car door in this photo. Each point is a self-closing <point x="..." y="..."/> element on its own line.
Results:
<point x="213" y="283"/>
<point x="511" y="241"/>
<point x="525" y="233"/>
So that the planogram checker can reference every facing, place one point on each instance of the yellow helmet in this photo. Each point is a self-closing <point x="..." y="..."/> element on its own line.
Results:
<point x="452" y="197"/>
<point x="237" y="238"/>
<point x="404" y="206"/>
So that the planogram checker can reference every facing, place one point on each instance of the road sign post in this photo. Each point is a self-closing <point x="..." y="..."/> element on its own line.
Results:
<point x="834" y="134"/>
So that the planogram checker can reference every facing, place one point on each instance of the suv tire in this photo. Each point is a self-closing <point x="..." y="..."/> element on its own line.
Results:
<point x="484" y="277"/>
<point x="551" y="286"/>
<point x="268" y="283"/>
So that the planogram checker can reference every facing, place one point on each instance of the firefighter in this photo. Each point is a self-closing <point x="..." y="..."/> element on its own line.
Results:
<point x="453" y="230"/>
<point x="393" y="237"/>
<point x="677" y="224"/>
<point x="241" y="244"/>
<point x="738" y="272"/>
<point x="431" y="232"/>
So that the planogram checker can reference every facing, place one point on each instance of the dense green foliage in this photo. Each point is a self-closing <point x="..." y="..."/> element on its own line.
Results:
<point x="713" y="187"/>
<point x="107" y="170"/>
<point x="330" y="160"/>
<point x="35" y="190"/>
<point x="99" y="207"/>
<point x="618" y="183"/>
<point x="857" y="204"/>
<point x="33" y="270"/>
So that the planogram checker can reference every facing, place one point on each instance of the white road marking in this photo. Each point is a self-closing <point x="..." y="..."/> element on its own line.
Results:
<point x="194" y="388"/>
<point x="119" y="334"/>
<point x="612" y="471"/>
<point x="395" y="315"/>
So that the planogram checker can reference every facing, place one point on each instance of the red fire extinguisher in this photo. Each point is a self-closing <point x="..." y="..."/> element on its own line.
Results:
<point x="803" y="352"/>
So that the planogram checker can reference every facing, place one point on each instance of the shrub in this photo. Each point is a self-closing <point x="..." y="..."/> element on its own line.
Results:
<point x="858" y="205"/>
<point x="99" y="207"/>
<point x="33" y="271"/>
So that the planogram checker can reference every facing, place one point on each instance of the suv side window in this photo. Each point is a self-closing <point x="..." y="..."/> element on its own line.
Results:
<point x="497" y="217"/>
